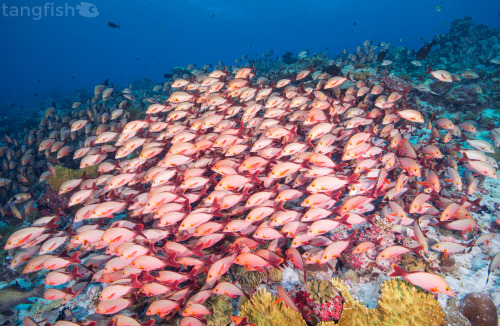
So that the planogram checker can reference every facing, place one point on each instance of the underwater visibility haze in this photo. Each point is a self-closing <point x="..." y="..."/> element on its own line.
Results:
<point x="249" y="163"/>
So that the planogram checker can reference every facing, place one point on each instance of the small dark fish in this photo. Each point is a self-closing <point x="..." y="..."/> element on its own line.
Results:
<point x="36" y="94"/>
<point x="381" y="55"/>
<point x="424" y="51"/>
<point x="333" y="71"/>
<point x="354" y="23"/>
<point x="11" y="296"/>
<point x="213" y="16"/>
<point x="113" y="25"/>
<point x="167" y="75"/>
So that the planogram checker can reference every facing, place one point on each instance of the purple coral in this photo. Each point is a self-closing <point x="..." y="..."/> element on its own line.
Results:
<point x="328" y="311"/>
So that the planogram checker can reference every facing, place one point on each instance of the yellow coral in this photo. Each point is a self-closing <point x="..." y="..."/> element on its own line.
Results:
<point x="261" y="310"/>
<point x="352" y="310"/>
<point x="320" y="291"/>
<point x="400" y="303"/>
<point x="64" y="174"/>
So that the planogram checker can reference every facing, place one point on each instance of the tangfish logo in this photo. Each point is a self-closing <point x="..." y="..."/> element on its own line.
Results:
<point x="87" y="9"/>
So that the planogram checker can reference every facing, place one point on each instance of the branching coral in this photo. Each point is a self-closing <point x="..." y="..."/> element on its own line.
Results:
<point x="263" y="311"/>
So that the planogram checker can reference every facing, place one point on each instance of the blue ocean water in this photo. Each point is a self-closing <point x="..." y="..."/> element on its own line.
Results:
<point x="51" y="48"/>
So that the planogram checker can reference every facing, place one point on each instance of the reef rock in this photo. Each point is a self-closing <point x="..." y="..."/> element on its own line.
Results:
<point x="479" y="309"/>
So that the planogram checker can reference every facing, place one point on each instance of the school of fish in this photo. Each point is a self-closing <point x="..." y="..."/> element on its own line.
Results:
<point x="236" y="169"/>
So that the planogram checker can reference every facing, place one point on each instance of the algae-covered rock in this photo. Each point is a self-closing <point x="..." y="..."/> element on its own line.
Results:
<point x="222" y="306"/>
<point x="263" y="311"/>
<point x="64" y="174"/>
<point x="246" y="277"/>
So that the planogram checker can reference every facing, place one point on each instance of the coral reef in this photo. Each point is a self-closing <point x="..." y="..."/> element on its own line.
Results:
<point x="400" y="303"/>
<point x="263" y="311"/>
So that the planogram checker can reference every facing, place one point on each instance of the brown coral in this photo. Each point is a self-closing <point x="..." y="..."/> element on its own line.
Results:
<point x="320" y="291"/>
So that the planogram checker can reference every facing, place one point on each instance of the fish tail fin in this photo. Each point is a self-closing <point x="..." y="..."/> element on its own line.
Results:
<point x="417" y="250"/>
<point x="212" y="179"/>
<point x="151" y="247"/>
<point x="398" y="271"/>
<point x="74" y="258"/>
<point x="197" y="250"/>
<point x="150" y="322"/>
<point x="429" y="70"/>
<point x="343" y="221"/>
<point x="192" y="273"/>
<point x="353" y="178"/>
<point x="138" y="230"/>
<point x="246" y="192"/>
<point x="279" y="206"/>
<point x="477" y="202"/>
<point x="254" y="177"/>
<point x="145" y="276"/>
<point x="75" y="273"/>
<point x="134" y="283"/>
